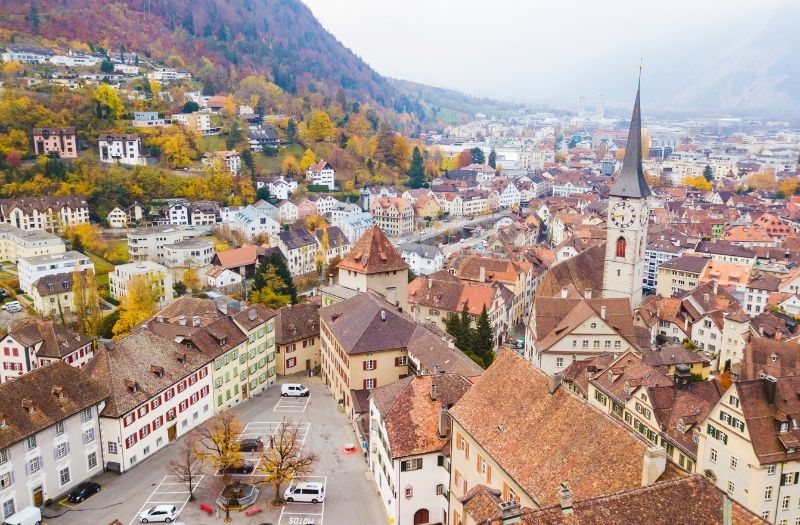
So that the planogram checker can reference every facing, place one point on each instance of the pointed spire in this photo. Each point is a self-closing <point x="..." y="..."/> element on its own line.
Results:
<point x="631" y="181"/>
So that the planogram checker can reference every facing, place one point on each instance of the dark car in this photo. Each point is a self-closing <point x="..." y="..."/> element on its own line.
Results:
<point x="83" y="491"/>
<point x="245" y="468"/>
<point x="3" y="293"/>
<point x="251" y="445"/>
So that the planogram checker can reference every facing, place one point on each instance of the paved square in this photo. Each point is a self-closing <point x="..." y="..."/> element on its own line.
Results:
<point x="304" y="513"/>
<point x="264" y="430"/>
<point x="170" y="491"/>
<point x="292" y="404"/>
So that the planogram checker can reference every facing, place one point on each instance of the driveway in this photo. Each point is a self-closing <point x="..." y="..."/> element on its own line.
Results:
<point x="351" y="498"/>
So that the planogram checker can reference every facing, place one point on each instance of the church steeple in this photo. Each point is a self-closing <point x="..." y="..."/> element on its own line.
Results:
<point x="631" y="182"/>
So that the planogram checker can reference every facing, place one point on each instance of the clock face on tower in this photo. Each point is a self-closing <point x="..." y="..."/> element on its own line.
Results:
<point x="623" y="215"/>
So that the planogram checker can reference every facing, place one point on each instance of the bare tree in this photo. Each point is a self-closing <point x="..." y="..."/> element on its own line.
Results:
<point x="284" y="459"/>
<point x="188" y="465"/>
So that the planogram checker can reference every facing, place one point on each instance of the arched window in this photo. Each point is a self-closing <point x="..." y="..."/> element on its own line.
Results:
<point x="621" y="244"/>
<point x="421" y="517"/>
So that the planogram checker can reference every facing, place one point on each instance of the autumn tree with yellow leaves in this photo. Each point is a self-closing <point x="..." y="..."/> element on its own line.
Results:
<point x="86" y="302"/>
<point x="320" y="127"/>
<point x="697" y="182"/>
<point x="108" y="103"/>
<point x="139" y="303"/>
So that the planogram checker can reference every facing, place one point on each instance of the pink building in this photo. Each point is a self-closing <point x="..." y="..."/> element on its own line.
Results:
<point x="56" y="142"/>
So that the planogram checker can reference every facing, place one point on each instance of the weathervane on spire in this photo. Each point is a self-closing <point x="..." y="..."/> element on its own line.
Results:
<point x="641" y="65"/>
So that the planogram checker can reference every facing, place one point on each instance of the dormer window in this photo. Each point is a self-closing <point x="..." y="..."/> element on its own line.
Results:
<point x="784" y="426"/>
<point x="681" y="426"/>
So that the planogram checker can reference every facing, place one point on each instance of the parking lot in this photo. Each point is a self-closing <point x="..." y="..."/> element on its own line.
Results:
<point x="170" y="491"/>
<point x="350" y="498"/>
<point x="265" y="431"/>
<point x="304" y="513"/>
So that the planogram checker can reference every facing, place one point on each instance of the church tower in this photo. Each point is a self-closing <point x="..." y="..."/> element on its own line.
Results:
<point x="626" y="240"/>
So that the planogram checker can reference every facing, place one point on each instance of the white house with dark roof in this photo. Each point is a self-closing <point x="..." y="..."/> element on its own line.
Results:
<point x="158" y="391"/>
<point x="49" y="435"/>
<point x="422" y="258"/>
<point x="322" y="174"/>
<point x="31" y="269"/>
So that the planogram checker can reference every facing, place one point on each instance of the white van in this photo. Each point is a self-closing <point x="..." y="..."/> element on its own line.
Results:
<point x="305" y="493"/>
<point x="294" y="390"/>
<point x="27" y="516"/>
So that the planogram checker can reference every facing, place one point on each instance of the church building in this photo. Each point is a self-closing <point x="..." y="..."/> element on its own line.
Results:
<point x="584" y="305"/>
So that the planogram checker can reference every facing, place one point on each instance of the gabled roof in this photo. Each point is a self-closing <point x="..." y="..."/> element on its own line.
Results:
<point x="295" y="322"/>
<point x="509" y="409"/>
<point x="765" y="404"/>
<point x="412" y="417"/>
<point x="373" y="253"/>
<point x="238" y="257"/>
<point x="557" y="317"/>
<point x="39" y="389"/>
<point x="579" y="273"/>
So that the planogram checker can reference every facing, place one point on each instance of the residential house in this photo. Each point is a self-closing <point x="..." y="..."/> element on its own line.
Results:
<point x="512" y="275"/>
<point x="51" y="214"/>
<point x="331" y="243"/>
<point x="148" y="244"/>
<point x="49" y="435"/>
<point x="367" y="342"/>
<point x="663" y="410"/>
<point x="256" y="220"/>
<point x="152" y="272"/>
<point x="657" y="253"/>
<point x="31" y="269"/>
<point x="279" y="187"/>
<point x="354" y="226"/>
<point x="565" y="439"/>
<point x="199" y="121"/>
<point x="189" y="253"/>
<point x="121" y="149"/>
<point x="408" y="455"/>
<point x="747" y="446"/>
<point x="242" y="260"/>
<point x="757" y="292"/>
<point x="299" y="247"/>
<point x="52" y="296"/>
<point x="158" y="390"/>
<point x="117" y="218"/>
<point x="263" y="138"/>
<point x="422" y="259"/>
<point x="680" y="274"/>
<point x="322" y="174"/>
<point x="288" y="212"/>
<point x="27" y="54"/>
<point x="297" y="338"/>
<point x="231" y="161"/>
<point x="55" y="142"/>
<point x="33" y="343"/>
<point x="218" y="277"/>
<point x="393" y="215"/>
<point x="16" y="243"/>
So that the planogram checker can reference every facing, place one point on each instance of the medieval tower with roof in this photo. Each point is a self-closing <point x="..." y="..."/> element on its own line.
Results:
<point x="628" y="215"/>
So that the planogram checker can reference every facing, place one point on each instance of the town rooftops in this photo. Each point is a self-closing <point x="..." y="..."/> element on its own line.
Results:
<point x="57" y="340"/>
<point x="295" y="322"/>
<point x="510" y="409"/>
<point x="701" y="503"/>
<point x="373" y="253"/>
<point x="42" y="204"/>
<point x="580" y="273"/>
<point x="297" y="238"/>
<point x="237" y="257"/>
<point x="123" y="137"/>
<point x="125" y="367"/>
<point x="54" y="131"/>
<point x="686" y="263"/>
<point x="43" y="397"/>
<point x="412" y="415"/>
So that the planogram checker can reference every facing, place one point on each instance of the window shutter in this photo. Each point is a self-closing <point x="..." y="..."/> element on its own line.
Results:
<point x="403" y="466"/>
<point x="466" y="449"/>
<point x="478" y="462"/>
<point x="364" y="384"/>
<point x="440" y="461"/>
<point x="364" y="365"/>
<point x="488" y="473"/>
<point x="374" y="364"/>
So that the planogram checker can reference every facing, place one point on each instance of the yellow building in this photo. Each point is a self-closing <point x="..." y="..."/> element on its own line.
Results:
<point x="367" y="342"/>
<point x="680" y="274"/>
<point x="297" y="338"/>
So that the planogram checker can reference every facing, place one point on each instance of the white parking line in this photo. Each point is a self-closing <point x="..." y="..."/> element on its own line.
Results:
<point x="291" y="404"/>
<point x="161" y="497"/>
<point x="297" y="515"/>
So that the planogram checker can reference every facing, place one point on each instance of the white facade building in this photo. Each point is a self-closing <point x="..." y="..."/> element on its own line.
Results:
<point x="147" y="244"/>
<point x="31" y="269"/>
<point x="422" y="259"/>
<point x="16" y="243"/>
<point x="123" y="274"/>
<point x="121" y="149"/>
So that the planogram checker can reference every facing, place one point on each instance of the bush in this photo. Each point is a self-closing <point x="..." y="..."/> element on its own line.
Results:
<point x="107" y="326"/>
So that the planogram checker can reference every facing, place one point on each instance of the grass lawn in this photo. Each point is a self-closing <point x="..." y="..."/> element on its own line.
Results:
<point x="101" y="266"/>
<point x="268" y="165"/>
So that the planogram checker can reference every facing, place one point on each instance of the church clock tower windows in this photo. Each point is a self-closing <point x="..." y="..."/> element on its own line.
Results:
<point x="626" y="238"/>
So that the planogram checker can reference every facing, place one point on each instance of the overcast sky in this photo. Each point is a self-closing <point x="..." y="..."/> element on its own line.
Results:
<point x="540" y="51"/>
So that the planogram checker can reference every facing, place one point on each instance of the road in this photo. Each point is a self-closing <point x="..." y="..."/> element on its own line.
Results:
<point x="428" y="233"/>
<point x="326" y="432"/>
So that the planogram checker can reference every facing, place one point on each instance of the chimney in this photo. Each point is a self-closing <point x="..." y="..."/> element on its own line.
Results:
<point x="430" y="284"/>
<point x="27" y="404"/>
<point x="683" y="375"/>
<point x="654" y="463"/>
<point x="433" y="392"/>
<point x="482" y="275"/>
<point x="564" y="292"/>
<point x="770" y="384"/>
<point x="705" y="296"/>
<point x="716" y="286"/>
<point x="727" y="510"/>
<point x="160" y="319"/>
<point x="110" y="345"/>
<point x="778" y="335"/>
<point x="587" y="293"/>
<point x="603" y="311"/>
<point x="565" y="498"/>
<point x="555" y="382"/>
<point x="196" y="320"/>
<point x="58" y="391"/>
<point x="444" y="423"/>
<point x="383" y="316"/>
<point x="182" y="320"/>
<point x="3" y="423"/>
<point x="251" y="314"/>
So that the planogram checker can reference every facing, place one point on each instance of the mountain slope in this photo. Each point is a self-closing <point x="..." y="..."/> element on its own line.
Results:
<point x="280" y="39"/>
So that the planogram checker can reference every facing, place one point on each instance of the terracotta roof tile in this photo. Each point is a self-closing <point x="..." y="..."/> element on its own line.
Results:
<point x="373" y="253"/>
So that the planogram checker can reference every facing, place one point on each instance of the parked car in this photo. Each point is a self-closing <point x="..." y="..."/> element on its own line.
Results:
<point x="305" y="493"/>
<point x="3" y="293"/>
<point x="294" y="390"/>
<point x="251" y="445"/>
<point x="26" y="516"/>
<point x="245" y="468"/>
<point x="83" y="491"/>
<point x="13" y="306"/>
<point x="159" y="513"/>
